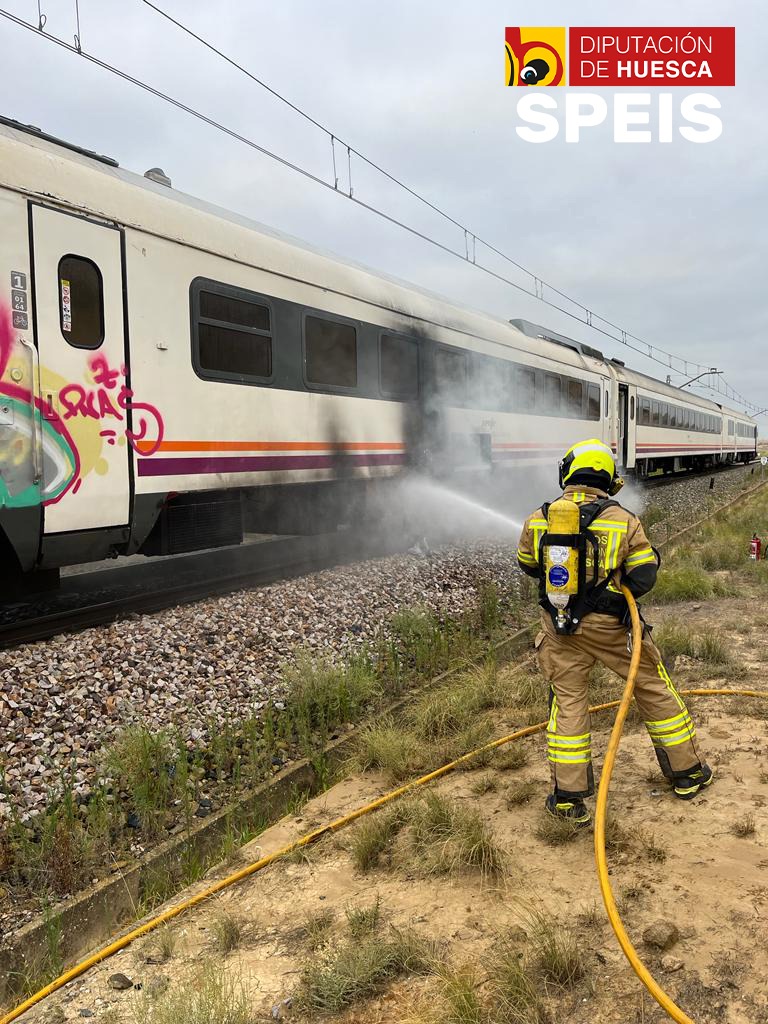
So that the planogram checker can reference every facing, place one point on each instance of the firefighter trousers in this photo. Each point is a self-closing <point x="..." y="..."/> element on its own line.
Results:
<point x="565" y="662"/>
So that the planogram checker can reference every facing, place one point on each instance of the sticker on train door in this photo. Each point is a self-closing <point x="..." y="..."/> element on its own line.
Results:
<point x="66" y="306"/>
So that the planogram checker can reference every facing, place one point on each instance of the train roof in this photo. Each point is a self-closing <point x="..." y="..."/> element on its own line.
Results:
<point x="97" y="184"/>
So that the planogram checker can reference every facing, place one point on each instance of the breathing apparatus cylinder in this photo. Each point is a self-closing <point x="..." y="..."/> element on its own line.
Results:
<point x="561" y="557"/>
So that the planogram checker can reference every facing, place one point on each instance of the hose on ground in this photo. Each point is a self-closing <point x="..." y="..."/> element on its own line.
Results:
<point x="312" y="837"/>
<point x="661" y="997"/>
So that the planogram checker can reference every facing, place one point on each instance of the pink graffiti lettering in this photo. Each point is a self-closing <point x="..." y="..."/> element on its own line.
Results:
<point x="102" y="374"/>
<point x="97" y="404"/>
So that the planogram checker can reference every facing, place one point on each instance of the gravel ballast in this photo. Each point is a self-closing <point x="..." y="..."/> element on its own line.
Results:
<point x="63" y="700"/>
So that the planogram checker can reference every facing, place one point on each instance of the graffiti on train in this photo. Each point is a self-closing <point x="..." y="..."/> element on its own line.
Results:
<point x="50" y="444"/>
<point x="111" y="399"/>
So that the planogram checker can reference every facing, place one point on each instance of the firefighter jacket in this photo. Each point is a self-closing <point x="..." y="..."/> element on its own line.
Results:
<point x="625" y="553"/>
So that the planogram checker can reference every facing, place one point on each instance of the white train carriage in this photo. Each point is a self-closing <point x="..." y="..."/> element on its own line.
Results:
<point x="662" y="427"/>
<point x="174" y="374"/>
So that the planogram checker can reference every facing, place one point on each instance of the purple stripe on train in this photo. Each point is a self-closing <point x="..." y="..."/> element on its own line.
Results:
<point x="261" y="463"/>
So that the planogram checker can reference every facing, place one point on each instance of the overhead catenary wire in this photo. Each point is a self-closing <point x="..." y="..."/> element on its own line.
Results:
<point x="539" y="284"/>
<point x="540" y="289"/>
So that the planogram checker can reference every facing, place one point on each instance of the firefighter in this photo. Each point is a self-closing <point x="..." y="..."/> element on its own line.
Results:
<point x="607" y="547"/>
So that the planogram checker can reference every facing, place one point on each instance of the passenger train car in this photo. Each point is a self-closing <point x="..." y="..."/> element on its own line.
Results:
<point x="172" y="375"/>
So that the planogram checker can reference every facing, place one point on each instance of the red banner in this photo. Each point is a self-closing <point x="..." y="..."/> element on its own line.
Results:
<point x="692" y="57"/>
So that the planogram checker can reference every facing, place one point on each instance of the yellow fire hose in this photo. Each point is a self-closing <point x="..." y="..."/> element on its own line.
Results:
<point x="312" y="837"/>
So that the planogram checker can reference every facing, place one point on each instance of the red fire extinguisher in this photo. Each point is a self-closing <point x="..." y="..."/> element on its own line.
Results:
<point x="754" y="548"/>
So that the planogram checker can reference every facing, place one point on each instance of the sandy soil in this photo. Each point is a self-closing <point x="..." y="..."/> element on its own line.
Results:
<point x="713" y="884"/>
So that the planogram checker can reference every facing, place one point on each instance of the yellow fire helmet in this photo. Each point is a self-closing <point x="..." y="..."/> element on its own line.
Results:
<point x="591" y="456"/>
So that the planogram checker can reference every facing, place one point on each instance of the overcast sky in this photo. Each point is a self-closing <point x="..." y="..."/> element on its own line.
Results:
<point x="669" y="241"/>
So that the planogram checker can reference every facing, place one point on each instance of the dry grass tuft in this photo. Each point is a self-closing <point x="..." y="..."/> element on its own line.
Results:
<point x="520" y="793"/>
<point x="485" y="784"/>
<point x="227" y="931"/>
<point x="374" y="835"/>
<point x="556" y="831"/>
<point x="364" y="920"/>
<point x="317" y="927"/>
<point x="555" y="952"/>
<point x="162" y="945"/>
<point x="339" y="977"/>
<point x="510" y="757"/>
<point x="744" y="827"/>
<point x="215" y="998"/>
<point x="452" y="838"/>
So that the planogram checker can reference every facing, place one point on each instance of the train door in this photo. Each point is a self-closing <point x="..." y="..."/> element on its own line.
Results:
<point x="80" y="334"/>
<point x="621" y="449"/>
<point x="627" y="425"/>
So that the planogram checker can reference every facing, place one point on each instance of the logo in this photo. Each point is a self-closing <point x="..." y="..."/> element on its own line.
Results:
<point x="620" y="58"/>
<point x="535" y="56"/>
<point x="559" y="576"/>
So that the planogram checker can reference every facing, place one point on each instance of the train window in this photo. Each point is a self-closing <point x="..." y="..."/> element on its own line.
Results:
<point x="81" y="302"/>
<point x="451" y="375"/>
<point x="574" y="398"/>
<point x="235" y="312"/>
<point x="231" y="333"/>
<point x="553" y="387"/>
<point x="645" y="410"/>
<point x="398" y="366"/>
<point x="606" y="405"/>
<point x="655" y="414"/>
<point x="593" y="402"/>
<point x="673" y="415"/>
<point x="525" y="388"/>
<point x="632" y="407"/>
<point x="491" y="383"/>
<point x="330" y="352"/>
<point x="664" y="413"/>
<point x="730" y="427"/>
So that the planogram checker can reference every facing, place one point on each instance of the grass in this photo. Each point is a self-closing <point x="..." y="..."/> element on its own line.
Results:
<point x="521" y="793"/>
<point x="500" y="989"/>
<point x="341" y="976"/>
<point x="374" y="836"/>
<point x="440" y="726"/>
<point x="515" y="991"/>
<point x="556" y="831"/>
<point x="363" y="921"/>
<point x="317" y="927"/>
<point x="213" y="998"/>
<point x="510" y="757"/>
<point x="445" y="836"/>
<point x="452" y="838"/>
<point x="555" y="952"/>
<point x="163" y="945"/>
<point x="744" y="827"/>
<point x="682" y="582"/>
<point x="651" y="848"/>
<point x="227" y="931"/>
<point x="387" y="747"/>
<point x="485" y="784"/>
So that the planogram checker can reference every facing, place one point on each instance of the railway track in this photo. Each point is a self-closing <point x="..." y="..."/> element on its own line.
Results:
<point x="107" y="595"/>
<point x="665" y="479"/>
<point x="95" y="598"/>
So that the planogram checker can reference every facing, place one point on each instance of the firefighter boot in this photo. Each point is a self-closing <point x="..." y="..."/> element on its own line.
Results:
<point x="687" y="787"/>
<point x="573" y="810"/>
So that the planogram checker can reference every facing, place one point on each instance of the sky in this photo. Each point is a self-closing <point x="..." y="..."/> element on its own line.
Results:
<point x="667" y="241"/>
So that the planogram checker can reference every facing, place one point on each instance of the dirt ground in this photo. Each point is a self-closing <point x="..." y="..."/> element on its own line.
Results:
<point x="713" y="883"/>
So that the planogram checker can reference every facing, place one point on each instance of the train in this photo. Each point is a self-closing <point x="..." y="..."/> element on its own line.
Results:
<point x="174" y="376"/>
